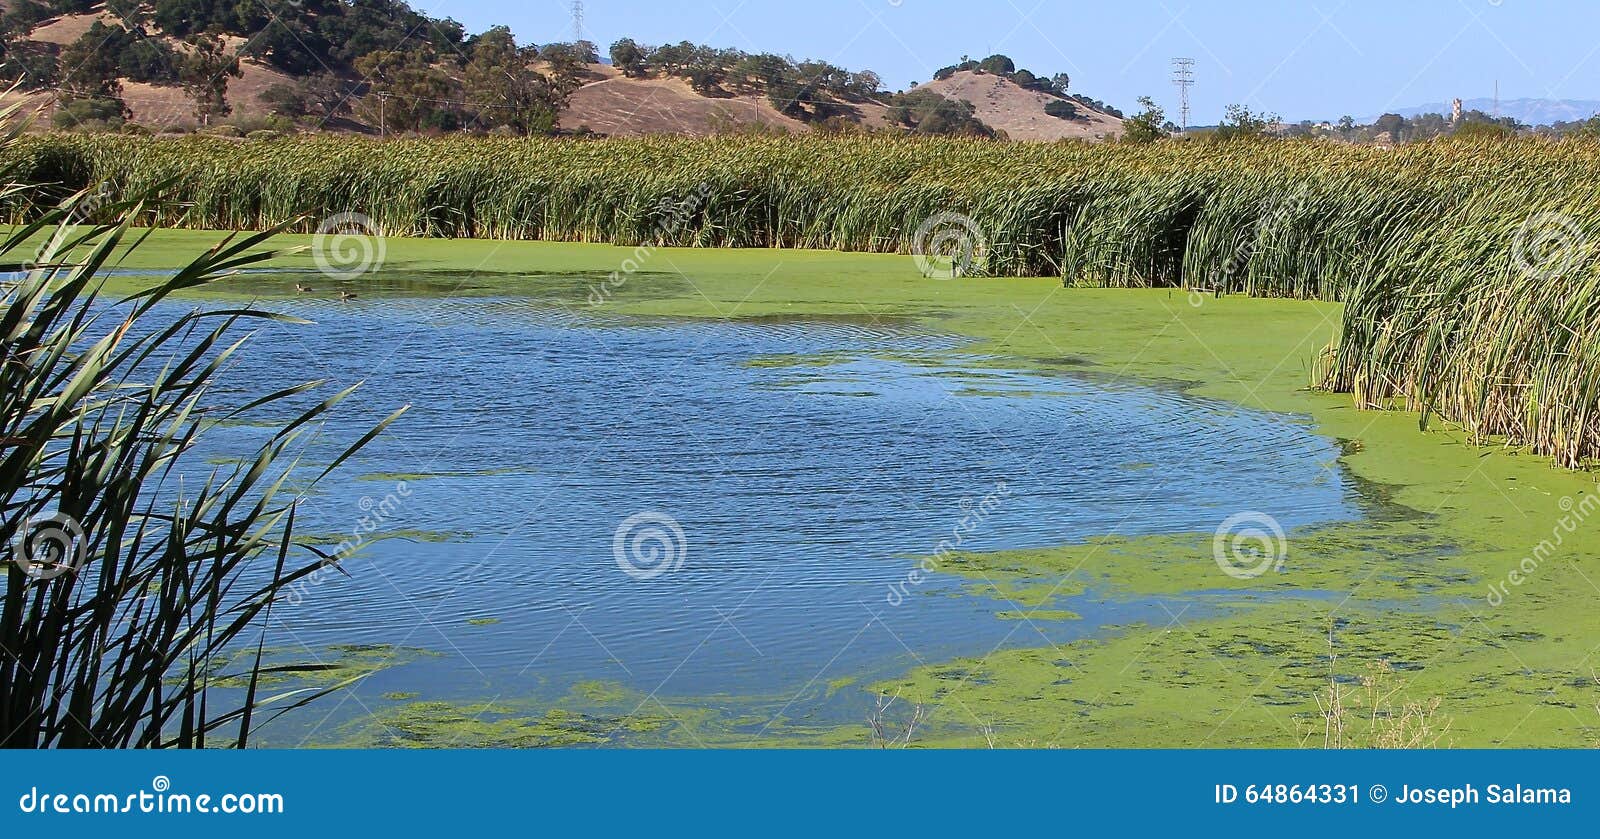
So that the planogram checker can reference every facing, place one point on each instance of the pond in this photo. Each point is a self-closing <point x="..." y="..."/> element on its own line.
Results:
<point x="720" y="511"/>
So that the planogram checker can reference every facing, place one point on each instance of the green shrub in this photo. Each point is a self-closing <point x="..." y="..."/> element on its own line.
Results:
<point x="94" y="113"/>
<point x="1061" y="109"/>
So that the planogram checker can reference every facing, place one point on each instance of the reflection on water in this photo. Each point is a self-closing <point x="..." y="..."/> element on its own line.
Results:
<point x="806" y="463"/>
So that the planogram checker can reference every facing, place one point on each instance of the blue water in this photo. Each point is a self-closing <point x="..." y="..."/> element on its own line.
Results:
<point x="804" y="485"/>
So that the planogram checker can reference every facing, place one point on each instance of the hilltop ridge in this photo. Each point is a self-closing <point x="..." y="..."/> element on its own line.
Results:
<point x="360" y="66"/>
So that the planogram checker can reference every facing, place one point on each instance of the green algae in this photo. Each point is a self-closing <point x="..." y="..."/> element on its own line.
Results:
<point x="482" y="621"/>
<point x="366" y="540"/>
<point x="1013" y="581"/>
<point x="1444" y="519"/>
<point x="1252" y="679"/>
<point x="292" y="668"/>
<point x="840" y="683"/>
<point x="594" y="713"/>
<point x="601" y="692"/>
<point x="1038" y="615"/>
<point x="800" y="360"/>
<point x="494" y="725"/>
<point x="412" y="534"/>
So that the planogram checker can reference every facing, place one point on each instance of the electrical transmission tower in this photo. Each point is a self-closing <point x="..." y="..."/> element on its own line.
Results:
<point x="1183" y="77"/>
<point x="577" y="21"/>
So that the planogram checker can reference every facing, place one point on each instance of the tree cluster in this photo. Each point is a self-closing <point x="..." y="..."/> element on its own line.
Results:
<point x="1241" y="123"/>
<point x="1395" y="128"/>
<point x="1148" y="125"/>
<point x="922" y="111"/>
<point x="405" y="71"/>
<point x="1003" y="66"/>
<point x="812" y="91"/>
<point x="491" y="84"/>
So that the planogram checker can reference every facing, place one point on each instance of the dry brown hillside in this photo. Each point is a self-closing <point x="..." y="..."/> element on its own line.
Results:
<point x="614" y="104"/>
<point x="154" y="106"/>
<point x="1019" y="112"/>
<point x="67" y="28"/>
<point x="627" y="107"/>
<point x="608" y="103"/>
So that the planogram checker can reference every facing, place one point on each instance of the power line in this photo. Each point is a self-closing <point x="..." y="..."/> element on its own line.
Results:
<point x="1183" y="77"/>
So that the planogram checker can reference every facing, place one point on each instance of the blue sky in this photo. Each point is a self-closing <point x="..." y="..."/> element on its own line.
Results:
<point x="1299" y="58"/>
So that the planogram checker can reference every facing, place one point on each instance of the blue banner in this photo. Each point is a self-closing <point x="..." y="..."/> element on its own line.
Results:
<point x="266" y="793"/>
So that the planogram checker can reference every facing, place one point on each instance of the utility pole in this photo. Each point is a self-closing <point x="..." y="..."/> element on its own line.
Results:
<point x="1183" y="77"/>
<point x="577" y="21"/>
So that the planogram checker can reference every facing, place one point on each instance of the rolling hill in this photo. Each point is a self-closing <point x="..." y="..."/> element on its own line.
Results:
<point x="1003" y="104"/>
<point x="605" y="101"/>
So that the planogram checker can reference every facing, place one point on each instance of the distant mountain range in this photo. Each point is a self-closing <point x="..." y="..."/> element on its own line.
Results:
<point x="1528" y="111"/>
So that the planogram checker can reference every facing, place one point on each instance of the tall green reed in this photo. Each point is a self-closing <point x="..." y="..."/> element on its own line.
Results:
<point x="1421" y="243"/>
<point x="130" y="572"/>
